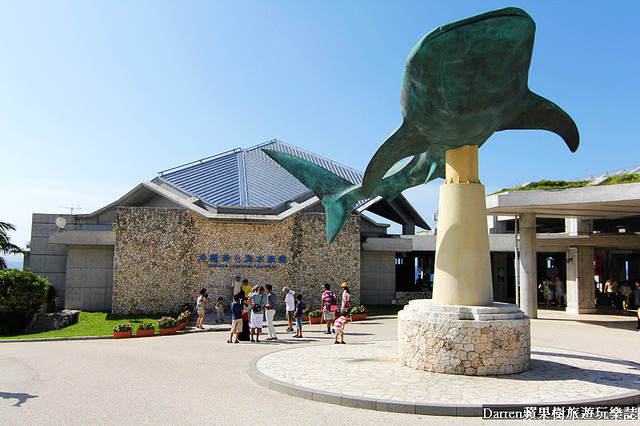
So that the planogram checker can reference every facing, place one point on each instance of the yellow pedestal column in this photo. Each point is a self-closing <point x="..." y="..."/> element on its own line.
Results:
<point x="463" y="263"/>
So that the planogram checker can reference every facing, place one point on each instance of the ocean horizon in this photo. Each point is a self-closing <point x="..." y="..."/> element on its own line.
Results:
<point x="14" y="263"/>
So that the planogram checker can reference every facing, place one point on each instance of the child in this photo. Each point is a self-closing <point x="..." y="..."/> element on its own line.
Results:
<point x="219" y="311"/>
<point x="298" y="316"/>
<point x="201" y="304"/>
<point x="339" y="325"/>
<point x="236" y="317"/>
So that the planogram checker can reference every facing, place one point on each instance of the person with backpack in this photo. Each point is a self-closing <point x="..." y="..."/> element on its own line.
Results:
<point x="329" y="307"/>
<point x="257" y="302"/>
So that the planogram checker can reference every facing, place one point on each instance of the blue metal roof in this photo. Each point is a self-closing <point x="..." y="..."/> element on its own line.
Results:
<point x="248" y="177"/>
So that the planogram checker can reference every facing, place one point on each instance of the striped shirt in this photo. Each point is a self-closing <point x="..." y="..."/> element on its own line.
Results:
<point x="340" y="322"/>
<point x="326" y="297"/>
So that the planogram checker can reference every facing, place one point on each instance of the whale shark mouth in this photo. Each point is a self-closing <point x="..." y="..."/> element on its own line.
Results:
<point x="487" y="16"/>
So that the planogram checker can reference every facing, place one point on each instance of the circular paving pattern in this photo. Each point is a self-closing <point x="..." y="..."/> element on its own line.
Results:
<point x="368" y="375"/>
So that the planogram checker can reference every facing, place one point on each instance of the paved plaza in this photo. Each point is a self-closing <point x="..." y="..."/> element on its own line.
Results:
<point x="197" y="378"/>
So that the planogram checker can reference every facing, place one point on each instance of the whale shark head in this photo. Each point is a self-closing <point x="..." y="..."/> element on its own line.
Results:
<point x="461" y="78"/>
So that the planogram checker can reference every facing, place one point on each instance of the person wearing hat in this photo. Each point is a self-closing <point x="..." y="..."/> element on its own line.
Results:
<point x="346" y="297"/>
<point x="235" y="285"/>
<point x="290" y="305"/>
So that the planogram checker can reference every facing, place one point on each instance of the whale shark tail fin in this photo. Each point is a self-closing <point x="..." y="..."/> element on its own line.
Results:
<point x="338" y="195"/>
<point x="536" y="112"/>
<point x="404" y="142"/>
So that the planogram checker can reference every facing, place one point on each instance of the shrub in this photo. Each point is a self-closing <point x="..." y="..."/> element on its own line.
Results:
<point x="316" y="313"/>
<point x="146" y="326"/>
<point x="122" y="327"/>
<point x="358" y="310"/>
<point x="183" y="317"/>
<point x="167" y="322"/>
<point x="21" y="295"/>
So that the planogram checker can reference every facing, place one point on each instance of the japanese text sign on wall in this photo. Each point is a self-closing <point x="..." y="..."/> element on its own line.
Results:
<point x="242" y="261"/>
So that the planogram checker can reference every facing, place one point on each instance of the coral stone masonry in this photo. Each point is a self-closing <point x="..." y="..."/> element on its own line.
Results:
<point x="469" y="340"/>
<point x="164" y="256"/>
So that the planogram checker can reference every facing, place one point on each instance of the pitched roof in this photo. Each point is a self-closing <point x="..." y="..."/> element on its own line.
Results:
<point x="248" y="177"/>
<point x="246" y="185"/>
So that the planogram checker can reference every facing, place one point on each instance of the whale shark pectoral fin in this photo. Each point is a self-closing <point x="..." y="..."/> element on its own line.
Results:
<point x="421" y="169"/>
<point x="337" y="195"/>
<point x="536" y="112"/>
<point x="404" y="142"/>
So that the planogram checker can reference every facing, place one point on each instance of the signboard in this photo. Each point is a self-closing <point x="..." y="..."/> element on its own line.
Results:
<point x="238" y="261"/>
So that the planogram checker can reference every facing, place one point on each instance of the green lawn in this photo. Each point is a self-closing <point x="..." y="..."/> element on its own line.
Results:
<point x="93" y="324"/>
<point x="383" y="310"/>
<point x="102" y="323"/>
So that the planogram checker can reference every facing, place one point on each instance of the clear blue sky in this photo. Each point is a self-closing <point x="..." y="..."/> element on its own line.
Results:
<point x="96" y="97"/>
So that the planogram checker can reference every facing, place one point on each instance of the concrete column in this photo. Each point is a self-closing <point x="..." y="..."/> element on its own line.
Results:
<point x="528" y="271"/>
<point x="463" y="264"/>
<point x="574" y="226"/>
<point x="580" y="287"/>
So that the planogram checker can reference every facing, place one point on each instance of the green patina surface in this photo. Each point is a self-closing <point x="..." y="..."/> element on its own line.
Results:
<point x="462" y="82"/>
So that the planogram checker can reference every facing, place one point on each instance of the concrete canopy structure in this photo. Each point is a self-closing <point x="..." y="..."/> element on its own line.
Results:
<point x="242" y="187"/>
<point x="579" y="207"/>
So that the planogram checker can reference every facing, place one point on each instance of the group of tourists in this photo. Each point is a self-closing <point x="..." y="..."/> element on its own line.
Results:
<point x="622" y="294"/>
<point x="553" y="292"/>
<point x="251" y="306"/>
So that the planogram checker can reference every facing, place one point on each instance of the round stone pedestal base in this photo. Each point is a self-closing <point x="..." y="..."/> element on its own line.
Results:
<point x="469" y="340"/>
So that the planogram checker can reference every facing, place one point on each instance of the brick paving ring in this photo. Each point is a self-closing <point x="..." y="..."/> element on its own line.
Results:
<point x="368" y="375"/>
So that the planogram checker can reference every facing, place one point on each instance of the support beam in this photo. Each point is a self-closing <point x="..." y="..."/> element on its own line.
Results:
<point x="528" y="272"/>
<point x="580" y="284"/>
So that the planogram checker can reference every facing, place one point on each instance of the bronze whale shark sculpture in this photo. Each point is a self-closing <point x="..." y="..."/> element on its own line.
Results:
<point x="462" y="82"/>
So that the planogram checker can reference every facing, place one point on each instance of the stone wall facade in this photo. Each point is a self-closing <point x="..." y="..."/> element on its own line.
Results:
<point x="162" y="258"/>
<point x="404" y="297"/>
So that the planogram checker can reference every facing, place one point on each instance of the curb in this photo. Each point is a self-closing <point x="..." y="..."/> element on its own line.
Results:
<point x="354" y="402"/>
<point x="625" y="399"/>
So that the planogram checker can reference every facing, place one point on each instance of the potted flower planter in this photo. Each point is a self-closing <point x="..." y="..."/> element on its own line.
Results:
<point x="182" y="325"/>
<point x="167" y="325"/>
<point x="145" y="333"/>
<point x="121" y="331"/>
<point x="358" y="313"/>
<point x="121" y="334"/>
<point x="315" y="316"/>
<point x="305" y="317"/>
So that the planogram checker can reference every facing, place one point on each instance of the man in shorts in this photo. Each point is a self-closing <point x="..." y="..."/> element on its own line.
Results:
<point x="328" y="314"/>
<point x="236" y="316"/>
<point x="290" y="306"/>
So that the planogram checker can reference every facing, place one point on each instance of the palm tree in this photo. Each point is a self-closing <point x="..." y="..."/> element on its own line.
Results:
<point x="6" y="246"/>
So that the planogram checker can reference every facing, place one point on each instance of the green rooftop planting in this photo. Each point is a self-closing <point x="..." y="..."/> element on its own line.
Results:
<point x="562" y="184"/>
<point x="616" y="179"/>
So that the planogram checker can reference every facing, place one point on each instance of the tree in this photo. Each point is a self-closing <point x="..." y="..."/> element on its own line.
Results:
<point x="6" y="246"/>
<point x="21" y="295"/>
